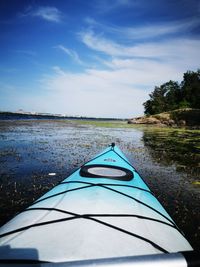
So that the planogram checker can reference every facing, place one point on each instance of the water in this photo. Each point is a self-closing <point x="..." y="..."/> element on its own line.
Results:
<point x="168" y="160"/>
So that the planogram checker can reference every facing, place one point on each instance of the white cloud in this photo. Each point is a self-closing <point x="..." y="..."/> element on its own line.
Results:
<point x="58" y="70"/>
<point x="146" y="31"/>
<point x="94" y="93"/>
<point x="105" y="6"/>
<point x="47" y="13"/>
<point x="70" y="52"/>
<point x="99" y="43"/>
<point x="26" y="52"/>
<point x="159" y="30"/>
<point x="177" y="51"/>
<point x="116" y="92"/>
<point x="127" y="75"/>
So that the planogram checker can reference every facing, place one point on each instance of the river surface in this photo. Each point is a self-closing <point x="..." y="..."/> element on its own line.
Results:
<point x="35" y="155"/>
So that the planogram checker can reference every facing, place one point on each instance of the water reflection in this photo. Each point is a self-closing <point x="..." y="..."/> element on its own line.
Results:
<point x="175" y="147"/>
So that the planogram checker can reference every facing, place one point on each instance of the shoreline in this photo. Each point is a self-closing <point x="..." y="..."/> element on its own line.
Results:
<point x="189" y="118"/>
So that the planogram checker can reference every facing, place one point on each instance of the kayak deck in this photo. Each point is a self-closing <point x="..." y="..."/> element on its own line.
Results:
<point x="102" y="210"/>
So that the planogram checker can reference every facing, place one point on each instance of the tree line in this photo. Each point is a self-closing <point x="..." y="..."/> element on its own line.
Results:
<point x="173" y="95"/>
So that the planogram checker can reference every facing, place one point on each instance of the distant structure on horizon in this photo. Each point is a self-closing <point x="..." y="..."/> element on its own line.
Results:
<point x="21" y="111"/>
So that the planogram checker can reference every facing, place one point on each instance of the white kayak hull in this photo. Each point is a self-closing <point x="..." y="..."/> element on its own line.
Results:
<point x="89" y="216"/>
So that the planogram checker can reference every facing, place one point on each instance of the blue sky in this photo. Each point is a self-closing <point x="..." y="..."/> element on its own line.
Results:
<point x="93" y="58"/>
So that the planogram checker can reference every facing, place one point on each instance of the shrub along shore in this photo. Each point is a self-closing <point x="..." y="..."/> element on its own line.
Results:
<point x="187" y="117"/>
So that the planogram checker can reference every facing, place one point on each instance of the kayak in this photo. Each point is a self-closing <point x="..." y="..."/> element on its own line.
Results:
<point x="103" y="210"/>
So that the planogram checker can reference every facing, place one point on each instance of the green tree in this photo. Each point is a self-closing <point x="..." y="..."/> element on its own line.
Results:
<point x="172" y="95"/>
<point x="163" y="98"/>
<point x="191" y="88"/>
<point x="148" y="107"/>
<point x="156" y="104"/>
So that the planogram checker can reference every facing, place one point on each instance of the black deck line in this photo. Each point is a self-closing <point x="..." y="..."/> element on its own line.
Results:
<point x="137" y="200"/>
<point x="102" y="215"/>
<point x="77" y="169"/>
<point x="133" y="168"/>
<point x="36" y="225"/>
<point x="61" y="193"/>
<point x="123" y="185"/>
<point x="132" y="234"/>
<point x="91" y="216"/>
<point x="123" y="159"/>
<point x="77" y="216"/>
<point x="116" y="191"/>
<point x="103" y="186"/>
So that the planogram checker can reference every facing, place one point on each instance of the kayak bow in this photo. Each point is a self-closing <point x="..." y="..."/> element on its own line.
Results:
<point x="102" y="210"/>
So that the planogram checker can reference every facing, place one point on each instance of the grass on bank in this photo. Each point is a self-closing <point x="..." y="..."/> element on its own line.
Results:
<point x="101" y="123"/>
<point x="124" y="124"/>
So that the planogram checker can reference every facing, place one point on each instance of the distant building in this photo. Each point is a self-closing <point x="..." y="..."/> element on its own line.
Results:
<point x="21" y="111"/>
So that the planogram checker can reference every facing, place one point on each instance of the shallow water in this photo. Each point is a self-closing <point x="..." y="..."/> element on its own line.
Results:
<point x="32" y="151"/>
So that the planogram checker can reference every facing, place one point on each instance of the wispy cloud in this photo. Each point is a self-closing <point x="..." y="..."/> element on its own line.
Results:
<point x="126" y="75"/>
<point x="147" y="7"/>
<point x="70" y="52"/>
<point x="99" y="43"/>
<point x="159" y="30"/>
<point x="125" y="84"/>
<point x="47" y="13"/>
<point x="26" y="52"/>
<point x="147" y="31"/>
<point x="112" y="62"/>
<point x="58" y="70"/>
<point x="179" y="48"/>
<point x="105" y="6"/>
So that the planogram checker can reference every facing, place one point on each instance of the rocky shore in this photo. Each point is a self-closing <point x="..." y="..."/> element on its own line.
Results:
<point x="180" y="117"/>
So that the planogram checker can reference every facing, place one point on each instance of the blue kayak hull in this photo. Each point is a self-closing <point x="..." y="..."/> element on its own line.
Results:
<point x="102" y="210"/>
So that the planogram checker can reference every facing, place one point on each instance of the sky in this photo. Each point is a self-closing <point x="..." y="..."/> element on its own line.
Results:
<point x="97" y="58"/>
